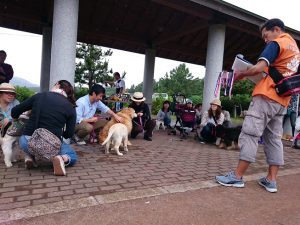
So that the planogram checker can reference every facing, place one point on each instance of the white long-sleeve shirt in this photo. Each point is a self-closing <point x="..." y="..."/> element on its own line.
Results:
<point x="206" y="119"/>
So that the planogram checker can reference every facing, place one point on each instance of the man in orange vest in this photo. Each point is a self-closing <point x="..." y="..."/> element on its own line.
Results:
<point x="265" y="113"/>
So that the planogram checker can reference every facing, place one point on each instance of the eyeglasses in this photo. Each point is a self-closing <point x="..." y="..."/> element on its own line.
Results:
<point x="9" y="93"/>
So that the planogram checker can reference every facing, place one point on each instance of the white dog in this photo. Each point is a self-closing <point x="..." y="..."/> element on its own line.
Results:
<point x="8" y="141"/>
<point x="160" y="123"/>
<point x="117" y="135"/>
<point x="8" y="151"/>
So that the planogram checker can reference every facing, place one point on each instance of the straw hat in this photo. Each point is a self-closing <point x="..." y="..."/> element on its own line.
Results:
<point x="216" y="102"/>
<point x="6" y="87"/>
<point x="138" y="97"/>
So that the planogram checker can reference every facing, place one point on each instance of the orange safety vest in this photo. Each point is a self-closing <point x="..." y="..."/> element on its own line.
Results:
<point x="286" y="63"/>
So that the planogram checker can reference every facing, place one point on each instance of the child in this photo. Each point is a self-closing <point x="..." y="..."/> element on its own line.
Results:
<point x="164" y="114"/>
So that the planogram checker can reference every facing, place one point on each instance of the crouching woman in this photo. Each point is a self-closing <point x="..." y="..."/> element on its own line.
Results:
<point x="54" y="111"/>
<point x="211" y="118"/>
<point x="143" y="121"/>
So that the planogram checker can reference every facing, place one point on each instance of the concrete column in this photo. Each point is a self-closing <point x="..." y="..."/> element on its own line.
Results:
<point x="64" y="38"/>
<point x="149" y="75"/>
<point x="46" y="59"/>
<point x="214" y="61"/>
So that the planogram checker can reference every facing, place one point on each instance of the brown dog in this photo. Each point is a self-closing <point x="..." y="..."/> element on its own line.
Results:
<point x="127" y="114"/>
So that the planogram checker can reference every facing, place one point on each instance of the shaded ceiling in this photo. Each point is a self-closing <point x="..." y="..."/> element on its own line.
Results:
<point x="177" y="29"/>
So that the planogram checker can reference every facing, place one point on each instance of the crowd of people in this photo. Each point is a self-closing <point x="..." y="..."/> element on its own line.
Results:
<point x="58" y="112"/>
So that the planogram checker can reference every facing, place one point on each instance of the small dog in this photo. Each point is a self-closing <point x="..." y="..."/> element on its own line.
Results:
<point x="229" y="137"/>
<point x="127" y="114"/>
<point x="160" y="123"/>
<point x="7" y="147"/>
<point x="117" y="135"/>
<point x="8" y="141"/>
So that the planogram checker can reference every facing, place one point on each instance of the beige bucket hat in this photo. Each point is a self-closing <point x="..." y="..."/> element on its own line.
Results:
<point x="216" y="102"/>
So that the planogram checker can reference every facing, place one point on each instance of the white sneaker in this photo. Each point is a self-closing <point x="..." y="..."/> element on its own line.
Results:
<point x="218" y="141"/>
<point x="59" y="166"/>
<point x="81" y="142"/>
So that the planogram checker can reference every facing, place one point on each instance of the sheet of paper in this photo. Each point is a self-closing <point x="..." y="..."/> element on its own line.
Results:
<point x="240" y="64"/>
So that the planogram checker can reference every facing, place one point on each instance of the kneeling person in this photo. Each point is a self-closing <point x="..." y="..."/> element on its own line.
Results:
<point x="86" y="120"/>
<point x="53" y="111"/>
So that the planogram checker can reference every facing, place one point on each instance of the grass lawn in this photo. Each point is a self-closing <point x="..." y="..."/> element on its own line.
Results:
<point x="237" y="121"/>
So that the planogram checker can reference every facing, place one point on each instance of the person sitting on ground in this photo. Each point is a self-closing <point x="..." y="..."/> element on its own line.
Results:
<point x="7" y="102"/>
<point x="86" y="120"/>
<point x="164" y="114"/>
<point x="198" y="108"/>
<point x="6" y="70"/>
<point x="54" y="111"/>
<point x="143" y="121"/>
<point x="188" y="114"/>
<point x="210" y="119"/>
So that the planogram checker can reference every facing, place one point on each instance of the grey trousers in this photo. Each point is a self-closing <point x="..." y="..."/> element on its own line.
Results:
<point x="264" y="118"/>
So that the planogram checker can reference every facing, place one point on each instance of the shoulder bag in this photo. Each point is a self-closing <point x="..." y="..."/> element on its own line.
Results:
<point x="43" y="144"/>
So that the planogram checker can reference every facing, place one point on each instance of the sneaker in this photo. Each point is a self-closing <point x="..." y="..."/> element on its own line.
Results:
<point x="230" y="180"/>
<point x="270" y="186"/>
<point x="218" y="141"/>
<point x="28" y="164"/>
<point x="78" y="141"/>
<point x="81" y="142"/>
<point x="59" y="166"/>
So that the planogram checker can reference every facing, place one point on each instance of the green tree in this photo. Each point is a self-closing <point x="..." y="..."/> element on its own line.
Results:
<point x="180" y="80"/>
<point x="243" y="87"/>
<point x="135" y="88"/>
<point x="92" y="65"/>
<point x="241" y="96"/>
<point x="23" y="93"/>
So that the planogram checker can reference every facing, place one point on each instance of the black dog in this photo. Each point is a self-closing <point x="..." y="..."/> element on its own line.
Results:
<point x="229" y="136"/>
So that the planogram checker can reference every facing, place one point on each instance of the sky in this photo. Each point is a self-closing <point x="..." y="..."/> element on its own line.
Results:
<point x="24" y="49"/>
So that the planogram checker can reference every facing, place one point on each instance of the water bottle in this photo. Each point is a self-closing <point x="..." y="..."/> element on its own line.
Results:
<point x="117" y="106"/>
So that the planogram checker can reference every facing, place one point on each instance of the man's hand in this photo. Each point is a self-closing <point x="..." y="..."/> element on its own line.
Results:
<point x="5" y="122"/>
<point x="252" y="71"/>
<point x="91" y="120"/>
<point x="238" y="75"/>
<point x="119" y="118"/>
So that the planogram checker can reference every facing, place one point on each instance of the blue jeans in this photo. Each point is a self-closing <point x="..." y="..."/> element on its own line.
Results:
<point x="65" y="150"/>
<point x="167" y="121"/>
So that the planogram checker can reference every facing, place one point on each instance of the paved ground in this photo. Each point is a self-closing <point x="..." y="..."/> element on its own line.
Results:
<point x="224" y="206"/>
<point x="166" y="161"/>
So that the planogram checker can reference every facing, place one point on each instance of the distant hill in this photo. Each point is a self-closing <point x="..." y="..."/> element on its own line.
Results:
<point x="18" y="81"/>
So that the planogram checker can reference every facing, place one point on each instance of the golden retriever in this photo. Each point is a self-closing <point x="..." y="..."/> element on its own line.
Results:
<point x="127" y="114"/>
<point x="117" y="135"/>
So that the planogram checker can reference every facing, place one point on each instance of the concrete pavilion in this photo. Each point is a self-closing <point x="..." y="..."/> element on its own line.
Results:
<point x="204" y="32"/>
